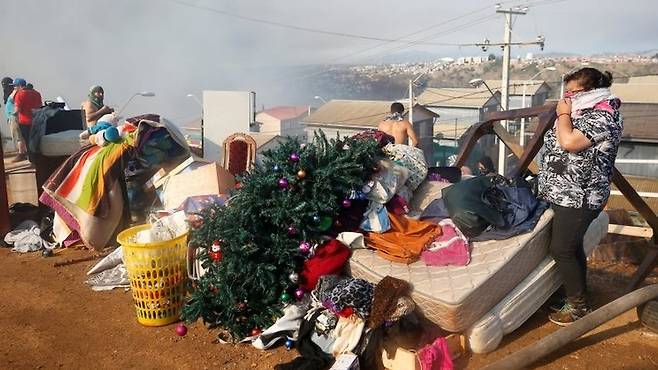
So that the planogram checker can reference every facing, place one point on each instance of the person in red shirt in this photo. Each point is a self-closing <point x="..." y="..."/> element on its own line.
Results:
<point x="25" y="101"/>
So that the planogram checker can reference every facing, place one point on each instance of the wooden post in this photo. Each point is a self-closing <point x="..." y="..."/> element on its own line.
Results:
<point x="5" y="227"/>
<point x="526" y="155"/>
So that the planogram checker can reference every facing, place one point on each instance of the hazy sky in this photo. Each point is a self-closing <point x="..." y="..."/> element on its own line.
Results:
<point x="160" y="45"/>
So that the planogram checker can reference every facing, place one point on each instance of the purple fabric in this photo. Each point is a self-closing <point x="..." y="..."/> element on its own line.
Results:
<point x="436" y="356"/>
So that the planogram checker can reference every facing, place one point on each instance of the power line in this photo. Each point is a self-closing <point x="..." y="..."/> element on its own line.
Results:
<point x="297" y="28"/>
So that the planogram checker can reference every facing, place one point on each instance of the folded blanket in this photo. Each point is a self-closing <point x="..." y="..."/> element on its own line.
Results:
<point x="405" y="240"/>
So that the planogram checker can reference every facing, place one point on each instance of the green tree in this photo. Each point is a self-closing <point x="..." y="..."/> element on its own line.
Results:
<point x="292" y="198"/>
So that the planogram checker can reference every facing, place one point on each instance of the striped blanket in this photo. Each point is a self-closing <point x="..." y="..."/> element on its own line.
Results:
<point x="85" y="191"/>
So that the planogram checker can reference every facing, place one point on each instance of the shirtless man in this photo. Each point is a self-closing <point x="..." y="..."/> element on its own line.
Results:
<point x="398" y="127"/>
<point x="93" y="108"/>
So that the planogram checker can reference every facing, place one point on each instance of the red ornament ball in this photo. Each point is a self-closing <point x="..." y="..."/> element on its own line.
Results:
<point x="216" y="251"/>
<point x="181" y="330"/>
<point x="255" y="332"/>
<point x="238" y="185"/>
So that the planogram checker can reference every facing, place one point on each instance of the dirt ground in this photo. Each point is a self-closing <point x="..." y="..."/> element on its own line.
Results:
<point x="50" y="319"/>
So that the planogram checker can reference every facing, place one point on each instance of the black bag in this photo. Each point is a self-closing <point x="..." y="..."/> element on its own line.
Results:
<point x="467" y="207"/>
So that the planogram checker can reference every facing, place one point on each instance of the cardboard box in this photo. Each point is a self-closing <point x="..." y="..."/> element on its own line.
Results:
<point x="205" y="180"/>
<point x="407" y="359"/>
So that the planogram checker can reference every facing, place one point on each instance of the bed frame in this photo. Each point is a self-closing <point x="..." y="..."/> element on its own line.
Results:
<point x="525" y="157"/>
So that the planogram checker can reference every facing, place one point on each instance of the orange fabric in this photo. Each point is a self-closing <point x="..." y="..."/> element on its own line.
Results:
<point x="67" y="186"/>
<point x="405" y="240"/>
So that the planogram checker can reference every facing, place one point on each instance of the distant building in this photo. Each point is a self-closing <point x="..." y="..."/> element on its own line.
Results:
<point x="349" y="117"/>
<point x="282" y="120"/>
<point x="536" y="92"/>
<point x="461" y="106"/>
<point x="265" y="142"/>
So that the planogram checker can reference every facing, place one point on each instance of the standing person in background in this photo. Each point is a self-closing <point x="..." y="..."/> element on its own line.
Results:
<point x="485" y="166"/>
<point x="9" y="95"/>
<point x="398" y="127"/>
<point x="7" y="87"/>
<point x="25" y="101"/>
<point x="575" y="176"/>
<point x="93" y="108"/>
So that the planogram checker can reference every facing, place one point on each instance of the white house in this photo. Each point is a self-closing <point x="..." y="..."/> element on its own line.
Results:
<point x="459" y="106"/>
<point x="282" y="120"/>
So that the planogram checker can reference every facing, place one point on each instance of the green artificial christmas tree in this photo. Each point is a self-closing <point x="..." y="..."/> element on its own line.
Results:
<point x="257" y="243"/>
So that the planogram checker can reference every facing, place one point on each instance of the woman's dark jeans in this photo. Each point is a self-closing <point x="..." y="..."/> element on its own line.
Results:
<point x="566" y="248"/>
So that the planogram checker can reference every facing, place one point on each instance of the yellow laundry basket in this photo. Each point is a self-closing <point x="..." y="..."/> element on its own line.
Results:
<point x="157" y="273"/>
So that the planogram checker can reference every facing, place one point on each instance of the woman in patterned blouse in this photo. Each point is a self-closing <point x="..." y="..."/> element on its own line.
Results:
<point x="576" y="170"/>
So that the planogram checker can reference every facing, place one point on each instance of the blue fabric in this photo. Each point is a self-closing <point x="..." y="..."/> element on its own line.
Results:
<point x="100" y="126"/>
<point x="376" y="220"/>
<point x="521" y="210"/>
<point x="111" y="134"/>
<point x="435" y="211"/>
<point x="9" y="107"/>
<point x="522" y="228"/>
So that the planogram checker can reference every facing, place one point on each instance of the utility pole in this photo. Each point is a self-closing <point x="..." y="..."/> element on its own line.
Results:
<point x="507" y="50"/>
<point x="506" y="45"/>
<point x="411" y="101"/>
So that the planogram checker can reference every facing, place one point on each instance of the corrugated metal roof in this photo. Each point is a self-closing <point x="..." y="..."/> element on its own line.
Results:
<point x="636" y="92"/>
<point x="455" y="97"/>
<point x="516" y="86"/>
<point x="261" y="139"/>
<point x="283" y="113"/>
<point x="359" y="113"/>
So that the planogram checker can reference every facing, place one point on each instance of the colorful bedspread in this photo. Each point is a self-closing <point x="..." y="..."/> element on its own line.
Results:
<point x="85" y="191"/>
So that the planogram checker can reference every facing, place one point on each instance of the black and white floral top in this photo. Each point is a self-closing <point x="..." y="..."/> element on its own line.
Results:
<point x="582" y="180"/>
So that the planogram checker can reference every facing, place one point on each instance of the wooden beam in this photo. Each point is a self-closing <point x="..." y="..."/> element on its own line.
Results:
<point x="641" y="232"/>
<point x="644" y="269"/>
<point x="5" y="227"/>
<point x="645" y="211"/>
<point x="535" y="144"/>
<point x="473" y="134"/>
<point x="511" y="143"/>
<point x="636" y="201"/>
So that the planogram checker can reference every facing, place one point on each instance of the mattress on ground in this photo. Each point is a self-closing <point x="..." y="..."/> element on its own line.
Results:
<point x="63" y="143"/>
<point x="456" y="297"/>
<point x="524" y="300"/>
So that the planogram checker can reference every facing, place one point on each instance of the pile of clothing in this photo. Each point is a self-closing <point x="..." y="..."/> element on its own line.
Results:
<point x="445" y="221"/>
<point x="345" y="315"/>
<point x="86" y="190"/>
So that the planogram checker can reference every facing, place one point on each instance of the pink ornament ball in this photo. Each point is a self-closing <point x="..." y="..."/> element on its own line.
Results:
<point x="181" y="330"/>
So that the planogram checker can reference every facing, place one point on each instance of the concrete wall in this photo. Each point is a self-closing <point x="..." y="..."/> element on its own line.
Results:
<point x="464" y="116"/>
<point x="273" y="126"/>
<point x="224" y="113"/>
<point x="268" y="124"/>
<point x="425" y="131"/>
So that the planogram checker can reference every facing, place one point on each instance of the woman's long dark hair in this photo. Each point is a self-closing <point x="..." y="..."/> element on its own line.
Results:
<point x="590" y="78"/>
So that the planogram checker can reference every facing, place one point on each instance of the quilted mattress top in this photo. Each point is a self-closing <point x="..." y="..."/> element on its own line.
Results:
<point x="61" y="144"/>
<point x="452" y="284"/>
